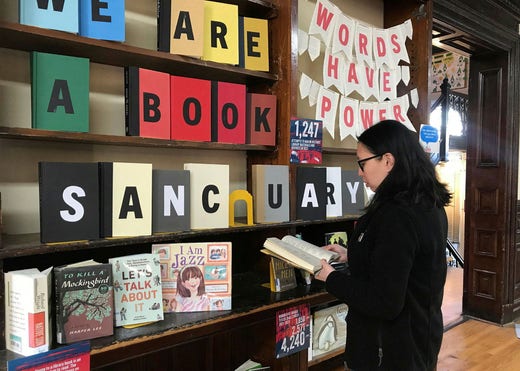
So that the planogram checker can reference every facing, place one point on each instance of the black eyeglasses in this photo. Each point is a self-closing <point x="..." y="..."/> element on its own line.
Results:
<point x="361" y="162"/>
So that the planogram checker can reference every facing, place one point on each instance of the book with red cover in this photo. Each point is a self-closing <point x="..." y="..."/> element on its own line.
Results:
<point x="261" y="119"/>
<point x="228" y="111"/>
<point x="147" y="103"/>
<point x="190" y="109"/>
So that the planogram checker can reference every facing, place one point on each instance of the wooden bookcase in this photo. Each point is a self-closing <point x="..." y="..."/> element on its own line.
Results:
<point x="194" y="341"/>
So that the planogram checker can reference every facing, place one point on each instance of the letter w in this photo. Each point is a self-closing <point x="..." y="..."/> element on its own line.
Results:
<point x="57" y="5"/>
<point x="324" y="17"/>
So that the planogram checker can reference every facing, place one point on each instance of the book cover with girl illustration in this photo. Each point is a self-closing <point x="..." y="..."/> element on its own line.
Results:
<point x="196" y="276"/>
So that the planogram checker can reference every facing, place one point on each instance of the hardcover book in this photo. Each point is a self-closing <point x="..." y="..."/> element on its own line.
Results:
<point x="190" y="109"/>
<point x="84" y="301"/>
<point x="54" y="15"/>
<point x="311" y="193"/>
<point x="209" y="195"/>
<point x="334" y="192"/>
<point x="69" y="201"/>
<point x="126" y="199"/>
<point x="329" y="330"/>
<point x="196" y="276"/>
<point x="261" y="119"/>
<point x="254" y="44"/>
<point x="220" y="32"/>
<point x="147" y="103"/>
<point x="270" y="186"/>
<point x="170" y="200"/>
<point x="228" y="111"/>
<point x="27" y="311"/>
<point x="137" y="289"/>
<point x="339" y="238"/>
<point x="180" y="27"/>
<point x="59" y="92"/>
<point x="70" y="357"/>
<point x="353" y="193"/>
<point x="104" y="20"/>
<point x="298" y="253"/>
<point x="282" y="276"/>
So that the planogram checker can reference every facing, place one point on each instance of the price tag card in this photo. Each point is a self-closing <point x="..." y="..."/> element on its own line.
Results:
<point x="292" y="330"/>
<point x="306" y="141"/>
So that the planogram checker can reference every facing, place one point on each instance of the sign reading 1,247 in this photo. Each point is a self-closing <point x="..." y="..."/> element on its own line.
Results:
<point x="307" y="128"/>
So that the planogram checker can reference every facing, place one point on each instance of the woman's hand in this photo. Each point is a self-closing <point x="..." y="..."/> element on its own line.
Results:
<point x="324" y="272"/>
<point x="342" y="251"/>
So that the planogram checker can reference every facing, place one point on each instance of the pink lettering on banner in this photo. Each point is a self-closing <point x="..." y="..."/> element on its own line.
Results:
<point x="382" y="114"/>
<point x="326" y="105"/>
<point x="394" y="39"/>
<point x="370" y="76"/>
<point x="381" y="47"/>
<point x="324" y="17"/>
<point x="332" y="67"/>
<point x="363" y="42"/>
<point x="398" y="113"/>
<point x="343" y="34"/>
<point x="367" y="117"/>
<point x="348" y="116"/>
<point x="352" y="74"/>
<point x="385" y="79"/>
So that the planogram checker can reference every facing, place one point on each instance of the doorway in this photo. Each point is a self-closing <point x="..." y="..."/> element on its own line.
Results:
<point x="450" y="76"/>
<point x="491" y="156"/>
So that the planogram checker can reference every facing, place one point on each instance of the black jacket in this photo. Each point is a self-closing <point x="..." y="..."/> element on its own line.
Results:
<point x="394" y="290"/>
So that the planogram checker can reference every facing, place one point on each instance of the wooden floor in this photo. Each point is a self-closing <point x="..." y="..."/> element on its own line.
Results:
<point x="468" y="344"/>
<point x="477" y="346"/>
<point x="452" y="303"/>
<point x="471" y="344"/>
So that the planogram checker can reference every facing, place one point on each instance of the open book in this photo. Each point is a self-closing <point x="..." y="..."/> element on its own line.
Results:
<point x="298" y="253"/>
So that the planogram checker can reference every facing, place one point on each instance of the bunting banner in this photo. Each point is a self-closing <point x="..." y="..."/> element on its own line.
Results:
<point x="357" y="59"/>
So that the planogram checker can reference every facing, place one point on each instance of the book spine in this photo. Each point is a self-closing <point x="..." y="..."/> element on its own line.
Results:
<point x="163" y="25"/>
<point x="58" y="279"/>
<point x="106" y="176"/>
<point x="214" y="111"/>
<point x="132" y="103"/>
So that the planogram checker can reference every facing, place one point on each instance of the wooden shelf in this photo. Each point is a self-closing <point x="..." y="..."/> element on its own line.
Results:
<point x="116" y="140"/>
<point x="338" y="151"/>
<point x="257" y="8"/>
<point x="28" y="38"/>
<point x="16" y="246"/>
<point x="251" y="303"/>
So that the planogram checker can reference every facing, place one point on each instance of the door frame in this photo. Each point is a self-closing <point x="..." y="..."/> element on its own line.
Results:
<point x="478" y="19"/>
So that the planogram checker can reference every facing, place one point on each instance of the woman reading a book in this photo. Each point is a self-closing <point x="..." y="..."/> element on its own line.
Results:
<point x="191" y="290"/>
<point x="396" y="256"/>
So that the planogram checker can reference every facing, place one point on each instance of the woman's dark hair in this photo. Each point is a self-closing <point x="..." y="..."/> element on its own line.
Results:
<point x="413" y="178"/>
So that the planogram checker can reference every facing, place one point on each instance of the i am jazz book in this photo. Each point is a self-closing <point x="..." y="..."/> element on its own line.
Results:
<point x="196" y="276"/>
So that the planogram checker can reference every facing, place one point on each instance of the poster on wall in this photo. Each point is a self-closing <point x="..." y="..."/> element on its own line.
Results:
<point x="452" y="66"/>
<point x="306" y="141"/>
